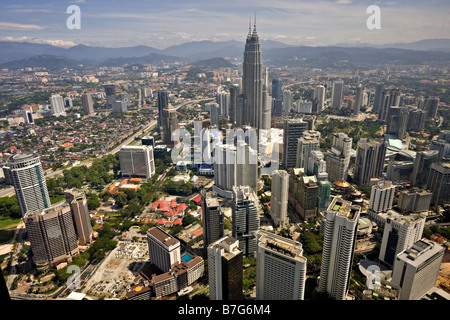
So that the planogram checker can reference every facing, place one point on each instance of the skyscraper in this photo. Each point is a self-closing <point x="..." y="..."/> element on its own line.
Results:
<point x="308" y="142"/>
<point x="212" y="218"/>
<point x="338" y="157"/>
<point x="287" y="101"/>
<point x="397" y="121"/>
<point x="439" y="183"/>
<point x="431" y="106"/>
<point x="110" y="94"/>
<point x="340" y="225"/>
<point x="417" y="268"/>
<point x="358" y="99"/>
<point x="234" y="93"/>
<point x="88" y="105"/>
<point x="252" y="81"/>
<point x="422" y="166"/>
<point x="137" y="161"/>
<point x="29" y="182"/>
<point x="369" y="161"/>
<point x="163" y="103"/>
<point x="336" y="97"/>
<point x="164" y="250"/>
<point x="52" y="235"/>
<point x="279" y="198"/>
<point x="320" y="94"/>
<point x="400" y="233"/>
<point x="80" y="213"/>
<point x="225" y="273"/>
<point x="57" y="104"/>
<point x="381" y="196"/>
<point x="293" y="130"/>
<point x="169" y="125"/>
<point x="389" y="98"/>
<point x="276" y="88"/>
<point x="245" y="218"/>
<point x="280" y="268"/>
<point x="379" y="88"/>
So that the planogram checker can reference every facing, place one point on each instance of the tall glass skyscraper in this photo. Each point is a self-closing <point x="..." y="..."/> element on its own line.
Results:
<point x="29" y="182"/>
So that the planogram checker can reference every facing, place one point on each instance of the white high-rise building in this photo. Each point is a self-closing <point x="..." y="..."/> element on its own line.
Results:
<point x="164" y="250"/>
<point x="310" y="141"/>
<point x="340" y="225"/>
<point x="382" y="196"/>
<point x="245" y="218"/>
<point x="279" y="198"/>
<point x="27" y="175"/>
<point x="400" y="232"/>
<point x="137" y="161"/>
<point x="57" y="104"/>
<point x="336" y="98"/>
<point x="287" y="101"/>
<point x="280" y="268"/>
<point x="320" y="95"/>
<point x="338" y="157"/>
<point x="416" y="269"/>
<point x="223" y="99"/>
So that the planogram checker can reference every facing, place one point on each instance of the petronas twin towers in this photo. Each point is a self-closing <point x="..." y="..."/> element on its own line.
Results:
<point x="254" y="104"/>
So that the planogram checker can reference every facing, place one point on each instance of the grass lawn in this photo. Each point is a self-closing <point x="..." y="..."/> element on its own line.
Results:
<point x="7" y="222"/>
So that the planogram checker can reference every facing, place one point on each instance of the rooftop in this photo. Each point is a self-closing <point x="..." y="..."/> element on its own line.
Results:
<point x="344" y="208"/>
<point x="162" y="236"/>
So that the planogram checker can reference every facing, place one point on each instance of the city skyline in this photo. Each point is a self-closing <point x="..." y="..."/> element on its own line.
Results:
<point x="160" y="25"/>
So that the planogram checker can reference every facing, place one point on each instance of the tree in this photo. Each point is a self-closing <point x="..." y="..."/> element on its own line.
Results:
<point x="92" y="201"/>
<point x="120" y="199"/>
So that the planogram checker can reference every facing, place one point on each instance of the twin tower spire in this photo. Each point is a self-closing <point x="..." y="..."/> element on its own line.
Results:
<point x="250" y="26"/>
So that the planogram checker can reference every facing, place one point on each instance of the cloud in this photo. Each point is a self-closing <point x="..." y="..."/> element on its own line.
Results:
<point x="19" y="26"/>
<point x="53" y="42"/>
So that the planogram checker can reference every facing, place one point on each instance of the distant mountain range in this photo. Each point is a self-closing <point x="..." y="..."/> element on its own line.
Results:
<point x="16" y="55"/>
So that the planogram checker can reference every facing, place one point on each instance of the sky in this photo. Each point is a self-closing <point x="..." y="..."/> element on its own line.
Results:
<point x="160" y="24"/>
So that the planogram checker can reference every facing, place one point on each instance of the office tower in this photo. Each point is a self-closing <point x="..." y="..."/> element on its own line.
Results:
<point x="399" y="171"/>
<point x="266" y="109"/>
<point x="336" y="95"/>
<point x="308" y="142"/>
<point x="119" y="106"/>
<point x="358" y="99"/>
<point x="276" y="89"/>
<point x="307" y="195"/>
<point x="52" y="235"/>
<point x="340" y="226"/>
<point x="164" y="250"/>
<point x="444" y="135"/>
<point x="234" y="93"/>
<point x="338" y="157"/>
<point x="169" y="125"/>
<point x="400" y="232"/>
<point x="214" y="112"/>
<point x="245" y="218"/>
<point x="125" y="98"/>
<point x="320" y="95"/>
<point x="80" y="213"/>
<point x="137" y="161"/>
<point x="369" y="161"/>
<point x="57" y="104"/>
<point x="305" y="107"/>
<point x="148" y="141"/>
<point x="316" y="163"/>
<point x="397" y="121"/>
<point x="212" y="218"/>
<point x="110" y="94"/>
<point x="252" y="81"/>
<point x="279" y="198"/>
<point x="416" y="119"/>
<point x="389" y="98"/>
<point x="234" y="166"/>
<point x="277" y="107"/>
<point x="442" y="146"/>
<point x="414" y="200"/>
<point x="28" y="117"/>
<point x="324" y="192"/>
<point x="293" y="130"/>
<point x="29" y="182"/>
<point x="431" y="107"/>
<point x="88" y="105"/>
<point x="287" y="102"/>
<point x="223" y="100"/>
<point x="422" y="165"/>
<point x="225" y="274"/>
<point x="68" y="102"/>
<point x="382" y="196"/>
<point x="439" y="183"/>
<point x="379" y="88"/>
<point x="163" y="103"/>
<point x="280" y="268"/>
<point x="417" y="268"/>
